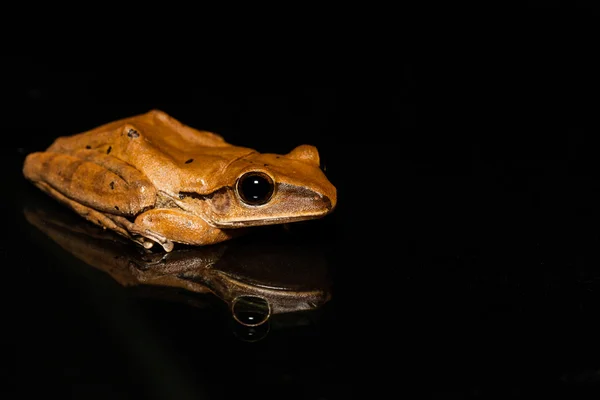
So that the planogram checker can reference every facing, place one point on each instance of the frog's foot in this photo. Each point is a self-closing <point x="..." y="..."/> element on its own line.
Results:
<point x="146" y="237"/>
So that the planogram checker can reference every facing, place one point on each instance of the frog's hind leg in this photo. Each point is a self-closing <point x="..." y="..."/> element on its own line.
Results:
<point x="92" y="215"/>
<point x="96" y="180"/>
<point x="101" y="188"/>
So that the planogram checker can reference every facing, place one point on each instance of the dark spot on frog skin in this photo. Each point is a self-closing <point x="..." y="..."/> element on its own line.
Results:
<point x="189" y="161"/>
<point x="219" y="199"/>
<point x="112" y="185"/>
<point x="109" y="149"/>
<point x="183" y="195"/>
<point x="132" y="133"/>
<point x="116" y="208"/>
<point x="99" y="222"/>
<point x="265" y="165"/>
<point x="88" y="147"/>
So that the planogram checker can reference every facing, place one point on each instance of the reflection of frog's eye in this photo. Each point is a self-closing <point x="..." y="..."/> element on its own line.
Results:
<point x="255" y="188"/>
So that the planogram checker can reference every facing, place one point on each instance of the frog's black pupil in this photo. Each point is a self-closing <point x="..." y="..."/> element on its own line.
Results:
<point x="255" y="188"/>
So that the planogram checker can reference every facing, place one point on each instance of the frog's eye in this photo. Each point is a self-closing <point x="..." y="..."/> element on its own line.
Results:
<point x="255" y="188"/>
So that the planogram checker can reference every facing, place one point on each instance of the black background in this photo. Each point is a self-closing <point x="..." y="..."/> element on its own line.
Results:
<point x="463" y="250"/>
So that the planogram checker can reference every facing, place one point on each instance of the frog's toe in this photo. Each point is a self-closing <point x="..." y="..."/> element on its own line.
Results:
<point x="168" y="246"/>
<point x="156" y="237"/>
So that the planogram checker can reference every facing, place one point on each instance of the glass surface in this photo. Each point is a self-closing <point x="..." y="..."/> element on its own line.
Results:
<point x="455" y="265"/>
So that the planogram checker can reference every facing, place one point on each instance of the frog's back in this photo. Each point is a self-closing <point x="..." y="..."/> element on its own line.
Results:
<point x="164" y="128"/>
<point x="174" y="156"/>
<point x="157" y="127"/>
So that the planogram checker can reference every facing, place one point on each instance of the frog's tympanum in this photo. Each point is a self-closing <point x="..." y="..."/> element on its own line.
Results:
<point x="153" y="180"/>
<point x="257" y="279"/>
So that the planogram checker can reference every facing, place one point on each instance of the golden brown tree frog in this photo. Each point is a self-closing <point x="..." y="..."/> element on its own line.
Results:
<point x="155" y="180"/>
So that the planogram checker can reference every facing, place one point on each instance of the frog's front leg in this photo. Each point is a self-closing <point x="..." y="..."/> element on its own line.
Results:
<point x="182" y="227"/>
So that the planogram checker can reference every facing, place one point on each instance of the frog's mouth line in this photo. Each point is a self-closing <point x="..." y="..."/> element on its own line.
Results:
<point x="267" y="221"/>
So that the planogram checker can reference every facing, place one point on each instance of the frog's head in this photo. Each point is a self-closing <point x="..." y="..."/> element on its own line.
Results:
<point x="266" y="189"/>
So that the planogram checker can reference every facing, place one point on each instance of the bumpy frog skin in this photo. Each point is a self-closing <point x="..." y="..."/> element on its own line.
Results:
<point x="155" y="180"/>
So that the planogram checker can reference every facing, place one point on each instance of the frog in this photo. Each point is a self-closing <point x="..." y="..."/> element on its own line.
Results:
<point x="157" y="181"/>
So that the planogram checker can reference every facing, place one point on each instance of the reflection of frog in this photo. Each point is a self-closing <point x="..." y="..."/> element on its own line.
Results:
<point x="284" y="278"/>
<point x="152" y="179"/>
